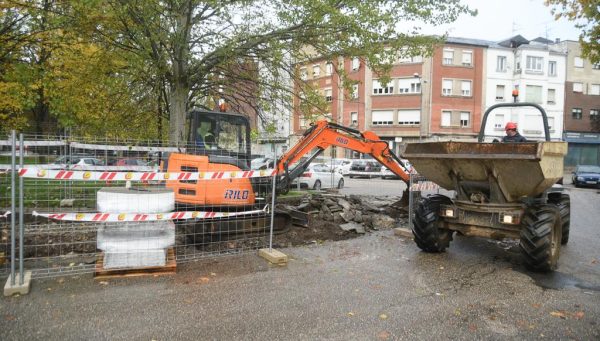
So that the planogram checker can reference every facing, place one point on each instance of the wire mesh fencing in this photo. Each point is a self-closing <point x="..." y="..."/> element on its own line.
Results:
<point x="92" y="206"/>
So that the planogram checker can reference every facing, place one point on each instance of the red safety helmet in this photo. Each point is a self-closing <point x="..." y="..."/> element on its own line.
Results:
<point x="510" y="126"/>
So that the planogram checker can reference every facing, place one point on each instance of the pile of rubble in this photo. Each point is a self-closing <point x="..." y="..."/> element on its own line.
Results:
<point x="355" y="213"/>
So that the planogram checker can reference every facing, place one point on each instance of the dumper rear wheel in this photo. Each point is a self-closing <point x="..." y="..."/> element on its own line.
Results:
<point x="564" y="206"/>
<point x="541" y="237"/>
<point x="428" y="236"/>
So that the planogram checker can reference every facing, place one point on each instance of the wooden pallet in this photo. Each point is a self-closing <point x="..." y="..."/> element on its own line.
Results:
<point x="170" y="268"/>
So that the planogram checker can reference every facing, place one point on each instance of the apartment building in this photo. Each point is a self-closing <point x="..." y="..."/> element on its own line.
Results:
<point x="457" y="85"/>
<point x="537" y="70"/>
<point x="581" y="107"/>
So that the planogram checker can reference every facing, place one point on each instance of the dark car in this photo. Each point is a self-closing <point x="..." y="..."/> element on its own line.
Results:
<point x="365" y="168"/>
<point x="586" y="175"/>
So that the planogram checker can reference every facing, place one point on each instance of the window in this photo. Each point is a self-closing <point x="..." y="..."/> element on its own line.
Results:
<point x="354" y="93"/>
<point x="551" y="96"/>
<point x="533" y="94"/>
<point x="467" y="58"/>
<point x="354" y="118"/>
<point x="382" y="117"/>
<point x="578" y="62"/>
<point x="499" y="121"/>
<point x="379" y="89"/>
<point x="534" y="64"/>
<point x="577" y="87"/>
<point x="328" y="68"/>
<point x="550" y="123"/>
<point x="316" y="70"/>
<point x="328" y="95"/>
<point x="596" y="66"/>
<point x="595" y="89"/>
<point x="355" y="63"/>
<point x="594" y="114"/>
<point x="465" y="88"/>
<point x="576" y="113"/>
<point x="448" y="57"/>
<point x="303" y="74"/>
<point x="409" y="85"/>
<point x="551" y="68"/>
<point x="446" y="118"/>
<point x="447" y="87"/>
<point x="409" y="117"/>
<point x="500" y="92"/>
<point x="464" y="118"/>
<point x="501" y="64"/>
<point x="302" y="122"/>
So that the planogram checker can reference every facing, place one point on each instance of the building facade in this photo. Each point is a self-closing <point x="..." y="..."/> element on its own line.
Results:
<point x="581" y="107"/>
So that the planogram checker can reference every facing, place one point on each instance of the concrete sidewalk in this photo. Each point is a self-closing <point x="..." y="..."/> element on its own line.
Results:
<point x="376" y="287"/>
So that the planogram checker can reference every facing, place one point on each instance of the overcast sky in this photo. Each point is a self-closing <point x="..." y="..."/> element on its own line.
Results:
<point x="500" y="19"/>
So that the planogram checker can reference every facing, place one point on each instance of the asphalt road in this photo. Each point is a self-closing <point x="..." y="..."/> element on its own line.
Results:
<point x="376" y="287"/>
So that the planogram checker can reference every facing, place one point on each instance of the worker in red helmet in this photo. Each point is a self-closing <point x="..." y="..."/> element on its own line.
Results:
<point x="512" y="135"/>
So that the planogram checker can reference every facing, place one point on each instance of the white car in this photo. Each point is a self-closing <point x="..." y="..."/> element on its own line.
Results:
<point x="388" y="174"/>
<point x="319" y="175"/>
<point x="342" y="165"/>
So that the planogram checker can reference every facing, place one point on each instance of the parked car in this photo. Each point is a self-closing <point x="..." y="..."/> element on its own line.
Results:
<point x="85" y="162"/>
<point x="262" y="163"/>
<point x="319" y="175"/>
<point x="586" y="175"/>
<point x="131" y="162"/>
<point x="388" y="174"/>
<point x="365" y="168"/>
<point x="342" y="165"/>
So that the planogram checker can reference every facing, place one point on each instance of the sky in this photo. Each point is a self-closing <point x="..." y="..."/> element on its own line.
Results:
<point x="501" y="19"/>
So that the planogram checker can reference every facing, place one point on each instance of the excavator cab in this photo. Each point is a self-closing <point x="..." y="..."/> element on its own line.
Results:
<point x="223" y="137"/>
<point x="218" y="141"/>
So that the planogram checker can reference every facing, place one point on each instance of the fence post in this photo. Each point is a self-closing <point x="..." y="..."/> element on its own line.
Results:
<point x="21" y="228"/>
<point x="410" y="200"/>
<point x="273" y="193"/>
<point x="13" y="201"/>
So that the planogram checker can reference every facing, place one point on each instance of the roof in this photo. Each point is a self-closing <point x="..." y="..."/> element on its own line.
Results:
<point x="514" y="41"/>
<point x="469" y="41"/>
<point x="543" y="40"/>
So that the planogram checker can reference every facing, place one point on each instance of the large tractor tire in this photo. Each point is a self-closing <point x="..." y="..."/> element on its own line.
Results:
<point x="428" y="236"/>
<point x="564" y="206"/>
<point x="541" y="237"/>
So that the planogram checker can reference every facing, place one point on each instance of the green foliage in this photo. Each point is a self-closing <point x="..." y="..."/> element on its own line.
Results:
<point x="133" y="68"/>
<point x="586" y="15"/>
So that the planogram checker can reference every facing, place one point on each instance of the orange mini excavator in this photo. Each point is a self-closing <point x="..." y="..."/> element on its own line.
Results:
<point x="220" y="141"/>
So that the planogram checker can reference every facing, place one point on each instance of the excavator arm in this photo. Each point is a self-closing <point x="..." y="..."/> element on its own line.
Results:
<point x="323" y="134"/>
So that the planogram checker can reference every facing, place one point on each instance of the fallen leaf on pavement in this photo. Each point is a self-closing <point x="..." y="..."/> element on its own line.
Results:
<point x="536" y="305"/>
<point x="350" y="314"/>
<point x="9" y="317"/>
<point x="560" y="314"/>
<point x="203" y="280"/>
<point x="383" y="316"/>
<point x="213" y="274"/>
<point x="103" y="283"/>
<point x="579" y="315"/>
<point x="383" y="335"/>
<point x="472" y="328"/>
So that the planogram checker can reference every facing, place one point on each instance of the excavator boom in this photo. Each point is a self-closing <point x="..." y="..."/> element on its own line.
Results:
<point x="322" y="135"/>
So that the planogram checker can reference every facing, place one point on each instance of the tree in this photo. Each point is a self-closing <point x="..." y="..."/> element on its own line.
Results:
<point x="586" y="14"/>
<point x="205" y="51"/>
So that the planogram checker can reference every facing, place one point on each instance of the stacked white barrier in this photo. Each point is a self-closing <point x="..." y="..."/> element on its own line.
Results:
<point x="135" y="244"/>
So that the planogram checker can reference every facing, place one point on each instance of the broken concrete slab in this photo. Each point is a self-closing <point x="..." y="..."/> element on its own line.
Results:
<point x="353" y="227"/>
<point x="403" y="232"/>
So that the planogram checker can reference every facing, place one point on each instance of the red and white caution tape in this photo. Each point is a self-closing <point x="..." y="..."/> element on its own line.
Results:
<point x="127" y="217"/>
<point x="5" y="215"/>
<point x="38" y="173"/>
<point x="424" y="186"/>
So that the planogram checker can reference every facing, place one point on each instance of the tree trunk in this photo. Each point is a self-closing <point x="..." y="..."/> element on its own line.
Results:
<point x="178" y="105"/>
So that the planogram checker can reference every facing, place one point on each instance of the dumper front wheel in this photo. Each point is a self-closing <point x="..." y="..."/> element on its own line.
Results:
<point x="541" y="237"/>
<point x="428" y="236"/>
<point x="564" y="206"/>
